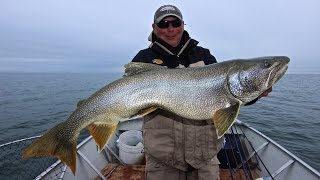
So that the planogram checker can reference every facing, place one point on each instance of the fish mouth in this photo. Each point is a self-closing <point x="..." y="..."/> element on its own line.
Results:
<point x="278" y="71"/>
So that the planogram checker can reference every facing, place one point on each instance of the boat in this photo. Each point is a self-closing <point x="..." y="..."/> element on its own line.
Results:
<point x="247" y="154"/>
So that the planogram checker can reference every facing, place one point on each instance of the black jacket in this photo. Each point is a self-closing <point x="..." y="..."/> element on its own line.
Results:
<point x="184" y="55"/>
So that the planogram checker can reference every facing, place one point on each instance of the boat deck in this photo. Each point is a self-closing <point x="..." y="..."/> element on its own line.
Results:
<point x="135" y="172"/>
<point x="265" y="158"/>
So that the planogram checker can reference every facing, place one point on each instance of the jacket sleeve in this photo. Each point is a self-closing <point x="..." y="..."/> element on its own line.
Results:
<point x="139" y="57"/>
<point x="208" y="57"/>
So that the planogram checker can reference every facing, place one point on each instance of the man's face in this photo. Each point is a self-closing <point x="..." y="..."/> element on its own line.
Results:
<point x="171" y="35"/>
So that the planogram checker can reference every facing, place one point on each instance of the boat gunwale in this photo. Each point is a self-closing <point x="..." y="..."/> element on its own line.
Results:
<point x="297" y="159"/>
<point x="19" y="140"/>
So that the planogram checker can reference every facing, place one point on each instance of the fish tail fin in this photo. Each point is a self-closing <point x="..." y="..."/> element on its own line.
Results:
<point x="101" y="133"/>
<point x="52" y="143"/>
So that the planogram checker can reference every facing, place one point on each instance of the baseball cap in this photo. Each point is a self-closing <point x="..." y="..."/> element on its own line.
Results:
<point x="167" y="10"/>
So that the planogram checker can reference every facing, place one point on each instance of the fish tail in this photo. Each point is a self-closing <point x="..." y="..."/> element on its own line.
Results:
<point x="55" y="144"/>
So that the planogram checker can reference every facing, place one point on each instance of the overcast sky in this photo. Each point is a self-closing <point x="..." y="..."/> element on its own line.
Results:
<point x="102" y="35"/>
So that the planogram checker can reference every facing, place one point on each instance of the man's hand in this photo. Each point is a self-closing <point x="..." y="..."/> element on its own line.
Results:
<point x="264" y="94"/>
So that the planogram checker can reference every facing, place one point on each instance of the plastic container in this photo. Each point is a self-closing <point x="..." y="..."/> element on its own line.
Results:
<point x="131" y="147"/>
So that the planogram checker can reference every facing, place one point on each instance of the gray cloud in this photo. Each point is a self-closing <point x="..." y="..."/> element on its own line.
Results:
<point x="90" y="36"/>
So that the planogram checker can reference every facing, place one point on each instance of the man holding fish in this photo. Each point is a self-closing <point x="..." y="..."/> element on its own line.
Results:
<point x="176" y="147"/>
<point x="180" y="142"/>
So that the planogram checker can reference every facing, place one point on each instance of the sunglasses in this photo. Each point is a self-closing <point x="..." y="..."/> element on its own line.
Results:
<point x="165" y="24"/>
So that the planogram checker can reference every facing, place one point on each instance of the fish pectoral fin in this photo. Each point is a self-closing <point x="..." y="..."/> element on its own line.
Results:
<point x="146" y="111"/>
<point x="101" y="133"/>
<point x="224" y="118"/>
<point x="133" y="68"/>
<point x="51" y="143"/>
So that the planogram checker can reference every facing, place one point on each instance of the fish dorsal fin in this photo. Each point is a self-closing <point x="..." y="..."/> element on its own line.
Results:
<point x="224" y="118"/>
<point x="81" y="102"/>
<point x="133" y="68"/>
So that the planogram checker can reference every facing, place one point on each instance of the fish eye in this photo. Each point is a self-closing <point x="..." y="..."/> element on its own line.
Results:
<point x="267" y="64"/>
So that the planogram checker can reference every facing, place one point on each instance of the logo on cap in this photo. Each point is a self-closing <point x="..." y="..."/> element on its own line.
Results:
<point x="167" y="8"/>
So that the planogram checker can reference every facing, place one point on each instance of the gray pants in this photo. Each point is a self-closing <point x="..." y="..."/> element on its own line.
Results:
<point x="178" y="148"/>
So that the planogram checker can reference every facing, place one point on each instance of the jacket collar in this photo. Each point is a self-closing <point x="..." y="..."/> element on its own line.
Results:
<point x="164" y="48"/>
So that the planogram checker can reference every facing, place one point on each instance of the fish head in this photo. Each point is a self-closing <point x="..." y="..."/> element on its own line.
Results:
<point x="247" y="79"/>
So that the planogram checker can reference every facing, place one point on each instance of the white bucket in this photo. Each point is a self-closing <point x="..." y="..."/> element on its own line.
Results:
<point x="131" y="147"/>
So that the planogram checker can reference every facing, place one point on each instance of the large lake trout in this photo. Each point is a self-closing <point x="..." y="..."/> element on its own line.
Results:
<point x="211" y="92"/>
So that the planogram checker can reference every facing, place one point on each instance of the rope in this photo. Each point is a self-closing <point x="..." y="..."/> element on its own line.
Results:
<point x="229" y="164"/>
<point x="241" y="158"/>
<point x="256" y="153"/>
<point x="246" y="160"/>
<point x="233" y="154"/>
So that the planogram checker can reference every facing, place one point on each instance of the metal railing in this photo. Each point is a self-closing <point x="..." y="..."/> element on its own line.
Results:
<point x="13" y="166"/>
